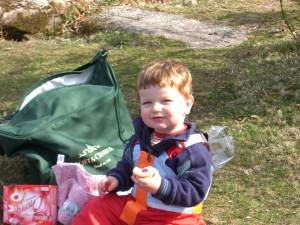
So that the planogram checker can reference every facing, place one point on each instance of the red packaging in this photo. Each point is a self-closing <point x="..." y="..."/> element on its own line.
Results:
<point x="30" y="204"/>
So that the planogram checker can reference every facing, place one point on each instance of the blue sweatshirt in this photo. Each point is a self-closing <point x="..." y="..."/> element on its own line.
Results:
<point x="192" y="166"/>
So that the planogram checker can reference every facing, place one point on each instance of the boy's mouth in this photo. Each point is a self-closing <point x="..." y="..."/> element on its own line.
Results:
<point x="157" y="117"/>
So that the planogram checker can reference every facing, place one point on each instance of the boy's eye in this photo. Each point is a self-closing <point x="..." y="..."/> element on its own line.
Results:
<point x="167" y="100"/>
<point x="146" y="103"/>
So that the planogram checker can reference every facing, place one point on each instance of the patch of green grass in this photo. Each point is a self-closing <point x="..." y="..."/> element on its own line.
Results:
<point x="252" y="89"/>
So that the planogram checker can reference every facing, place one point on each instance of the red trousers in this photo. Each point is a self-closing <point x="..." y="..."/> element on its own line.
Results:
<point x="107" y="210"/>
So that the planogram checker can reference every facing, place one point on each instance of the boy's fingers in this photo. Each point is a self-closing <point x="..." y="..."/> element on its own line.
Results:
<point x="103" y="185"/>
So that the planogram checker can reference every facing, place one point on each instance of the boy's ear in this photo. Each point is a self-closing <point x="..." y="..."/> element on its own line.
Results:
<point x="189" y="104"/>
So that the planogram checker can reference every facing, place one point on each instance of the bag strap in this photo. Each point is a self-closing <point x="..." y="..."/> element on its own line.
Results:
<point x="110" y="71"/>
<point x="133" y="207"/>
<point x="101" y="56"/>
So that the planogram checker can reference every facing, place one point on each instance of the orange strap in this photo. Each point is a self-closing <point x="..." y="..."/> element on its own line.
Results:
<point x="132" y="208"/>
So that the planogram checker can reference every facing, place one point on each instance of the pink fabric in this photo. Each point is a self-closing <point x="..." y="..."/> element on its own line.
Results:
<point x="75" y="187"/>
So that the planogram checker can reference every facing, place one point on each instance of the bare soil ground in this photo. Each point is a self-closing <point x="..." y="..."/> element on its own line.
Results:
<point x="195" y="34"/>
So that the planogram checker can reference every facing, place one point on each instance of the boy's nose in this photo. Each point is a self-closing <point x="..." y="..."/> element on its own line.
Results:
<point x="156" y="107"/>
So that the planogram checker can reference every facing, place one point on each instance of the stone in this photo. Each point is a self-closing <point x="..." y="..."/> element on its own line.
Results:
<point x="22" y="21"/>
<point x="21" y="17"/>
<point x="39" y="3"/>
<point x="190" y="2"/>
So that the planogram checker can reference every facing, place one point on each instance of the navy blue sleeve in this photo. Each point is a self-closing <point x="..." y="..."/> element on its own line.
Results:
<point x="123" y="169"/>
<point x="194" y="177"/>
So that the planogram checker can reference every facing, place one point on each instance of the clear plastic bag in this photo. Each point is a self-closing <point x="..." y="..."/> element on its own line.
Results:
<point x="221" y="146"/>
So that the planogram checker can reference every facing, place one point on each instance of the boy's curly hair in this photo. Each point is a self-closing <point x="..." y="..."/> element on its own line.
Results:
<point x="169" y="72"/>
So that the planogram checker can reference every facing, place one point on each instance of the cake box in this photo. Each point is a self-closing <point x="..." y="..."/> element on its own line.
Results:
<point x="30" y="204"/>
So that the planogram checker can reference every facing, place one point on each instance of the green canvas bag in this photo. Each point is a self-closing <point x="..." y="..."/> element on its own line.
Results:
<point x="81" y="114"/>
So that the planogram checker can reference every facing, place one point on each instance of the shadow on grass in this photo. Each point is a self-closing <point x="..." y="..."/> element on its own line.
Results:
<point x="257" y="18"/>
<point x="251" y="18"/>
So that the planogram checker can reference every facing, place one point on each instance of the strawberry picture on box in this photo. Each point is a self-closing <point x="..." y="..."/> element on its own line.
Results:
<point x="29" y="204"/>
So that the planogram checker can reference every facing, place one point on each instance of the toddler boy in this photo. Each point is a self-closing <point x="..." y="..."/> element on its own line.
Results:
<point x="167" y="162"/>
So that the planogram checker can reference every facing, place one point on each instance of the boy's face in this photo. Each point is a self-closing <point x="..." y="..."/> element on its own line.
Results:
<point x="164" y="108"/>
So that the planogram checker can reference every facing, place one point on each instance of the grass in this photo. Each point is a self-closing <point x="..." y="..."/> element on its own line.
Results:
<point x="252" y="89"/>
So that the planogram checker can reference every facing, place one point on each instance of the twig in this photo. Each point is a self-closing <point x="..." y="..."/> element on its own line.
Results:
<point x="286" y="22"/>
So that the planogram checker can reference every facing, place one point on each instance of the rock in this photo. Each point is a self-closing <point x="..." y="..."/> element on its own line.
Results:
<point x="190" y="2"/>
<point x="22" y="21"/>
<point x="39" y="3"/>
<point x="20" y="17"/>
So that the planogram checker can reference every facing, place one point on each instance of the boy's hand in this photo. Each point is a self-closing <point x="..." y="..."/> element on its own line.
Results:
<point x="147" y="178"/>
<point x="108" y="184"/>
